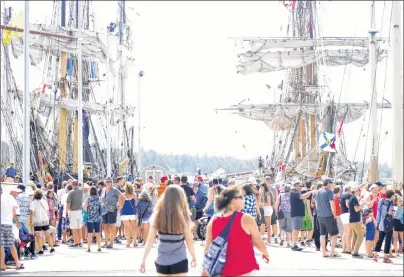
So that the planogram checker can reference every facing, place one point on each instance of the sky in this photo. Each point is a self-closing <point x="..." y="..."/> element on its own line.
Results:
<point x="190" y="70"/>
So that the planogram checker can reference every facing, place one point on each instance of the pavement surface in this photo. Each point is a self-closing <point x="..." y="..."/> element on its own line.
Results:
<point x="123" y="261"/>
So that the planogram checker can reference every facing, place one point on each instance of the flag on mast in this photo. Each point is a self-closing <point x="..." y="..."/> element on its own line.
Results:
<point x="327" y="142"/>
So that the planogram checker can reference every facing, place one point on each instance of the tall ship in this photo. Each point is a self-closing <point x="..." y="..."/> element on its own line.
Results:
<point x="308" y="117"/>
<point x="83" y="80"/>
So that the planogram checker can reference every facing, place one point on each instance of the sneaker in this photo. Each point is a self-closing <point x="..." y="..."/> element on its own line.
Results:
<point x="276" y="240"/>
<point x="317" y="249"/>
<point x="281" y="243"/>
<point x="52" y="250"/>
<point x="40" y="253"/>
<point x="288" y="245"/>
<point x="296" y="248"/>
<point x="88" y="250"/>
<point x="303" y="243"/>
<point x="74" y="245"/>
<point x="117" y="241"/>
<point x="357" y="255"/>
<point x="45" y="248"/>
<point x="99" y="249"/>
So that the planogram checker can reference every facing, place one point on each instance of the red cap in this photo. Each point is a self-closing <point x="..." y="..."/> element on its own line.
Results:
<point x="164" y="178"/>
<point x="199" y="178"/>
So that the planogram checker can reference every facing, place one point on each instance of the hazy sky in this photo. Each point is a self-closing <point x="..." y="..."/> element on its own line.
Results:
<point x="189" y="65"/>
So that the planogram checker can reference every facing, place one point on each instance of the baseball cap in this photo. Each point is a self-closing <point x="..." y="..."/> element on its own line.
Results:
<point x="373" y="186"/>
<point x="164" y="178"/>
<point x="327" y="181"/>
<point x="199" y="178"/>
<point x="21" y="187"/>
<point x="252" y="180"/>
<point x="379" y="184"/>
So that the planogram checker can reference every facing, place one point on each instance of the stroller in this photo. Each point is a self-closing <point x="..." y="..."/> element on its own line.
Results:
<point x="27" y="245"/>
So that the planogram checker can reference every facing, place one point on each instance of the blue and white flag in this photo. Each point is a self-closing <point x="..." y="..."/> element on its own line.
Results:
<point x="327" y="142"/>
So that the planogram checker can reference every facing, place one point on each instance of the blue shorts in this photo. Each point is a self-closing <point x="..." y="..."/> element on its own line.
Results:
<point x="93" y="226"/>
<point x="370" y="235"/>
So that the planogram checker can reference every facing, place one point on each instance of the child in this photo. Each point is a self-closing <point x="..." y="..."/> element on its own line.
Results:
<point x="370" y="227"/>
<point x="398" y="223"/>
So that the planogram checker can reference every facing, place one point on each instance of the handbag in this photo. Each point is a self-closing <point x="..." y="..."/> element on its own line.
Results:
<point x="215" y="257"/>
<point x="281" y="215"/>
<point x="103" y="209"/>
<point x="140" y="219"/>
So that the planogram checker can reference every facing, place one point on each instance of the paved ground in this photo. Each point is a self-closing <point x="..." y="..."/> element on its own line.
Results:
<point x="126" y="262"/>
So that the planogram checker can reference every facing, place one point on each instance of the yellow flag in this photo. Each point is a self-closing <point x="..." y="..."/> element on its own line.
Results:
<point x="18" y="22"/>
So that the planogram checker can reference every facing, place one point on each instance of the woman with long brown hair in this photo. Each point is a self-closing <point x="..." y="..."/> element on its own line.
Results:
<point x="127" y="205"/>
<point x="265" y="201"/>
<point x="242" y="237"/>
<point x="172" y="223"/>
<point x="52" y="203"/>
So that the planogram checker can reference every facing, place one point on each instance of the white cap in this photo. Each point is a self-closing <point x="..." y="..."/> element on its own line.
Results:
<point x="252" y="180"/>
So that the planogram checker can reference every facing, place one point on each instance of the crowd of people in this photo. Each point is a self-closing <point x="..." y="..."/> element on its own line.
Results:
<point x="333" y="214"/>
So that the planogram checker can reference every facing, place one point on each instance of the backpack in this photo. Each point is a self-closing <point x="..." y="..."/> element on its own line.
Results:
<point x="215" y="258"/>
<point x="388" y="220"/>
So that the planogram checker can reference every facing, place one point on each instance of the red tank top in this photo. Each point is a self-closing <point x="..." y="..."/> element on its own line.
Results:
<point x="240" y="257"/>
<point x="375" y="204"/>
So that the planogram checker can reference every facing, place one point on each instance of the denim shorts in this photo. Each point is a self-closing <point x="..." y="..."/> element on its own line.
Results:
<point x="93" y="226"/>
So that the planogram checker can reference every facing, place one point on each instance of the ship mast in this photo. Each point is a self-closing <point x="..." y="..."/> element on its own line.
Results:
<point x="80" y="166"/>
<point x="62" y="128"/>
<point x="397" y="99"/>
<point x="26" y="100"/>
<point x="373" y="166"/>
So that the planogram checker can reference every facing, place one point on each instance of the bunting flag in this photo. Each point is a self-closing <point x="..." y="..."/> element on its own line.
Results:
<point x="327" y="142"/>
<point x="17" y="22"/>
<point x="290" y="5"/>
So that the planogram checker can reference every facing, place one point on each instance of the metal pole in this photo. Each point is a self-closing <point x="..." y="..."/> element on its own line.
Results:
<point x="79" y="97"/>
<point x="108" y="109"/>
<point x="373" y="108"/>
<point x="139" y="156"/>
<point x="26" y="100"/>
<point x="397" y="99"/>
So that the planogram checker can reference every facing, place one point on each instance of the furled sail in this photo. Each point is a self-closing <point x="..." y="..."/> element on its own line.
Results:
<point x="283" y="116"/>
<point x="44" y="103"/>
<point x="268" y="61"/>
<point x="259" y="44"/>
<point x="62" y="39"/>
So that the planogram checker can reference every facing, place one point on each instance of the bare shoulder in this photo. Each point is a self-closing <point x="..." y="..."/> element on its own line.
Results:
<point x="247" y="219"/>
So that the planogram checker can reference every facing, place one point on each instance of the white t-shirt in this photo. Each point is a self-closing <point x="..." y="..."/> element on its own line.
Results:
<point x="41" y="212"/>
<point x="64" y="202"/>
<point x="8" y="203"/>
<point x="60" y="195"/>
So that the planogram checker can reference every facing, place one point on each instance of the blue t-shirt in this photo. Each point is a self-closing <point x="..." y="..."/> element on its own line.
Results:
<point x="354" y="216"/>
<point x="342" y="200"/>
<point x="323" y="198"/>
